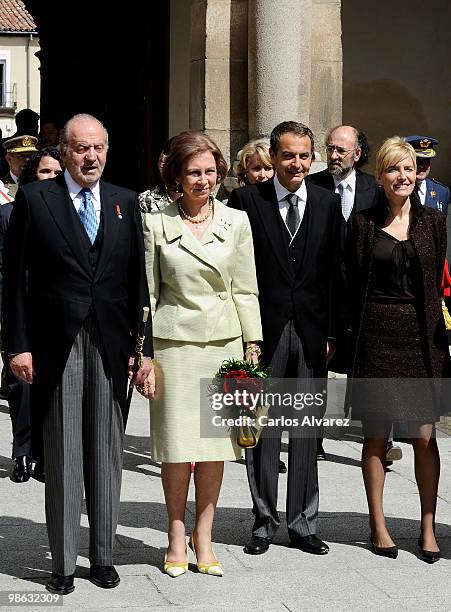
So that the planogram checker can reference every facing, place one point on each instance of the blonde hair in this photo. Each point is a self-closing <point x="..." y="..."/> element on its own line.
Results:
<point x="259" y="147"/>
<point x="392" y="151"/>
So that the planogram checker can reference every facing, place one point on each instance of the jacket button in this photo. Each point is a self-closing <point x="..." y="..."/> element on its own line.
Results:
<point x="223" y="295"/>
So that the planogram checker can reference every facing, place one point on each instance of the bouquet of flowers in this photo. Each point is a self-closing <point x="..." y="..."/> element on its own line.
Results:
<point x="244" y="386"/>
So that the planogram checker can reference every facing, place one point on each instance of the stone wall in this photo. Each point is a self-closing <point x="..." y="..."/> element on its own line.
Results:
<point x="239" y="67"/>
<point x="396" y="71"/>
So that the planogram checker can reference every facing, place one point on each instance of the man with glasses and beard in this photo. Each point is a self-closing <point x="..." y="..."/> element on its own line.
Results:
<point x="347" y="151"/>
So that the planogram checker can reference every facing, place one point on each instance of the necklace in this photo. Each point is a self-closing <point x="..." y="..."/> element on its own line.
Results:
<point x="196" y="219"/>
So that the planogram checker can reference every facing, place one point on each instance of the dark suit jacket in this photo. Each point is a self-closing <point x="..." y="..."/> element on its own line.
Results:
<point x="45" y="314"/>
<point x="305" y="298"/>
<point x="5" y="213"/>
<point x="366" y="188"/>
<point x="366" y="194"/>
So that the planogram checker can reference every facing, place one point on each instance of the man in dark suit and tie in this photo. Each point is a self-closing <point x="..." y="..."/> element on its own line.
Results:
<point x="74" y="288"/>
<point x="296" y="231"/>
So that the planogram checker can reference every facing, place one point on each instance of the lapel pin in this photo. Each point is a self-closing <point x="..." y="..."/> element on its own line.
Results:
<point x="224" y="223"/>
<point x="118" y="211"/>
<point x="433" y="194"/>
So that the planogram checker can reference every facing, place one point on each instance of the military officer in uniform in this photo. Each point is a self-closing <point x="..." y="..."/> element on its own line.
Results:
<point x="432" y="193"/>
<point x="18" y="150"/>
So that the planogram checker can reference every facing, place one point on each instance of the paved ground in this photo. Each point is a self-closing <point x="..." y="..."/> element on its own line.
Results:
<point x="349" y="578"/>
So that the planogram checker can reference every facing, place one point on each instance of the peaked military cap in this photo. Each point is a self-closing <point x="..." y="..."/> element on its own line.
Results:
<point x="21" y="144"/>
<point x="423" y="145"/>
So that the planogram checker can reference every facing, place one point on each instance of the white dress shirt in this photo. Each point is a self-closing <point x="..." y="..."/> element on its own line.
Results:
<point x="282" y="192"/>
<point x="422" y="191"/>
<point x="348" y="197"/>
<point x="76" y="197"/>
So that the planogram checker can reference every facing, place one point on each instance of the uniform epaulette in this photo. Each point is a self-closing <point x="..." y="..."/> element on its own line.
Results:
<point x="438" y="182"/>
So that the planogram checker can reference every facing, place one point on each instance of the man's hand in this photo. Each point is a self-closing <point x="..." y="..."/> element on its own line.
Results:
<point x="147" y="389"/>
<point x="22" y="366"/>
<point x="142" y="373"/>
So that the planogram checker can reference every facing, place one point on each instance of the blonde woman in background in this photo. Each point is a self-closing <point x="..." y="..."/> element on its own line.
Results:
<point x="254" y="163"/>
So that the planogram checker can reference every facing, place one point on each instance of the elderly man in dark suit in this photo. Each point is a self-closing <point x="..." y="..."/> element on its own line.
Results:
<point x="296" y="231"/>
<point x="74" y="288"/>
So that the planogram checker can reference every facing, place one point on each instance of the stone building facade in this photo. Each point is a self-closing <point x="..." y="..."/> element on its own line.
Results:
<point x="245" y="65"/>
<point x="237" y="67"/>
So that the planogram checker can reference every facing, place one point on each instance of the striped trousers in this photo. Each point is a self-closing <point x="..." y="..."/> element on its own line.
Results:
<point x="262" y="462"/>
<point x="83" y="442"/>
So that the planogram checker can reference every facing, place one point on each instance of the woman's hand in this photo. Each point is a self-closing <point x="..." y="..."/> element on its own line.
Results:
<point x="147" y="388"/>
<point x="253" y="352"/>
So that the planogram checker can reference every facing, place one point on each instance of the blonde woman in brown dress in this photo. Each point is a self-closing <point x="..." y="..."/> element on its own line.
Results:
<point x="395" y="257"/>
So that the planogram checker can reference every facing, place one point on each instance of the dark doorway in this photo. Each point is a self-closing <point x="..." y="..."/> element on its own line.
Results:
<point x="110" y="60"/>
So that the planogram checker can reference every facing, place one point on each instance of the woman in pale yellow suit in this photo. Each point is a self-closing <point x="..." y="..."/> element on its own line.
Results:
<point x="200" y="266"/>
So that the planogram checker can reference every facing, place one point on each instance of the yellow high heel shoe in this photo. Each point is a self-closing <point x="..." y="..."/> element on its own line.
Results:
<point x="174" y="568"/>
<point x="212" y="569"/>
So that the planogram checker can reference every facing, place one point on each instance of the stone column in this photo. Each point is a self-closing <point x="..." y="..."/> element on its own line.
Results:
<point x="326" y="69"/>
<point x="218" y="83"/>
<point x="279" y="61"/>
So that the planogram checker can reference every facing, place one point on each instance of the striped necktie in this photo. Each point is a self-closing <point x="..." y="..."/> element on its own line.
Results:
<point x="293" y="216"/>
<point x="88" y="214"/>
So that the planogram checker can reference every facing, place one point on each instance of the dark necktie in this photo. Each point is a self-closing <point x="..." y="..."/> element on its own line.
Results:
<point x="88" y="215"/>
<point x="293" y="217"/>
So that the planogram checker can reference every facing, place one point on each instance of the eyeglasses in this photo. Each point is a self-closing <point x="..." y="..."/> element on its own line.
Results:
<point x="338" y="150"/>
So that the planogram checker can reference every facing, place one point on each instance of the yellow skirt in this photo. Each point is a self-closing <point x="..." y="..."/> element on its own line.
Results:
<point x="175" y="427"/>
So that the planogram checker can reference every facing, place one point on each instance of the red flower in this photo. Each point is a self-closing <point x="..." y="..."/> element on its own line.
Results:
<point x="239" y="380"/>
<point x="230" y="377"/>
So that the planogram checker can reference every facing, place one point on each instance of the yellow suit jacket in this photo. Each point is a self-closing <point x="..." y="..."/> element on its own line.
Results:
<point x="204" y="289"/>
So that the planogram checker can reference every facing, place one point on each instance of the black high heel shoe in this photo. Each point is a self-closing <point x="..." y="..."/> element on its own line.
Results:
<point x="389" y="551"/>
<point x="428" y="555"/>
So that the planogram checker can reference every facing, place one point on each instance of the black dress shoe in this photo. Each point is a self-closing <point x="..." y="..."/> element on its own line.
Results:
<point x="429" y="556"/>
<point x="384" y="551"/>
<point x="310" y="544"/>
<point x="282" y="467"/>
<point x="21" y="469"/>
<point x="257" y="546"/>
<point x="37" y="470"/>
<point x="320" y="453"/>
<point x="104" y="576"/>
<point x="63" y="585"/>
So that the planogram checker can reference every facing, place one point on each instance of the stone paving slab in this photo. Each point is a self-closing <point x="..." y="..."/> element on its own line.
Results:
<point x="349" y="578"/>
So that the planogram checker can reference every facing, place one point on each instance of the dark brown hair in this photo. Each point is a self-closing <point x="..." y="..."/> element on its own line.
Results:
<point x="183" y="146"/>
<point x="290" y="127"/>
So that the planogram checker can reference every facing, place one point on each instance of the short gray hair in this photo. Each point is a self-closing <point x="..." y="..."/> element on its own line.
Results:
<point x="64" y="135"/>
